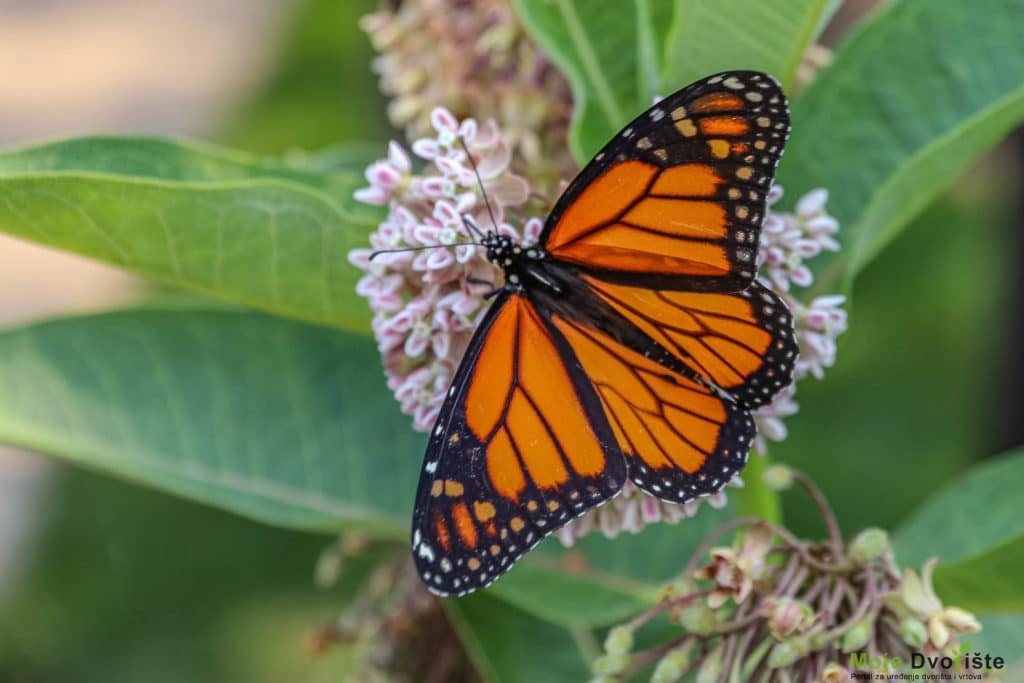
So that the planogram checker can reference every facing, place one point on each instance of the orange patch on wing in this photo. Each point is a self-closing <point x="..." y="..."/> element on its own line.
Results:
<point x="673" y="444"/>
<point x="484" y="510"/>
<point x="646" y="253"/>
<point x="746" y="332"/>
<point x="710" y="364"/>
<point x="680" y="217"/>
<point x="687" y="180"/>
<point x="543" y="376"/>
<point x="652" y="417"/>
<point x="492" y="374"/>
<point x="503" y="468"/>
<point x="634" y="432"/>
<point x="605" y="368"/>
<point x="745" y="361"/>
<point x="723" y="125"/>
<point x="602" y="200"/>
<point x="721" y="304"/>
<point x="715" y="102"/>
<point x="444" y="537"/>
<point x="464" y="525"/>
<point x="539" y="452"/>
<point x="719" y="333"/>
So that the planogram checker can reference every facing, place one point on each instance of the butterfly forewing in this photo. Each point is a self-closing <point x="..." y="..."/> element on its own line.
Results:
<point x="676" y="199"/>
<point x="521" y="447"/>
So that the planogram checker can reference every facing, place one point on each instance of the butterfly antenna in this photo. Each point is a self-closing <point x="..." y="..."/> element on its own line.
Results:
<point x="479" y="180"/>
<point x="472" y="227"/>
<point x="375" y="254"/>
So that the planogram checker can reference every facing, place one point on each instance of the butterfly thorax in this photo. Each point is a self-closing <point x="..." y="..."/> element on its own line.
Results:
<point x="524" y="266"/>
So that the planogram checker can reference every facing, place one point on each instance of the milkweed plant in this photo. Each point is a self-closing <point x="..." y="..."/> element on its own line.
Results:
<point x="333" y="269"/>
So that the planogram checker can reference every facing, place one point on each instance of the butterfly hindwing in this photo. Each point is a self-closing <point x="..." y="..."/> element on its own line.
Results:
<point x="681" y="438"/>
<point x="676" y="199"/>
<point x="521" y="447"/>
<point x="742" y="342"/>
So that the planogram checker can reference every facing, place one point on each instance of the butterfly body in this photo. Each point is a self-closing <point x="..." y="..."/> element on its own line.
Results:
<point x="630" y="343"/>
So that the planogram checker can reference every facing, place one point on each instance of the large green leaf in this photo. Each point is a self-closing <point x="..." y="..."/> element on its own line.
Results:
<point x="915" y="95"/>
<point x="709" y="36"/>
<point x="256" y="233"/>
<point x="1001" y="636"/>
<point x="510" y="646"/>
<point x="280" y="421"/>
<point x="975" y="528"/>
<point x="333" y="171"/>
<point x="619" y="55"/>
<point x="608" y="49"/>
<point x="540" y="588"/>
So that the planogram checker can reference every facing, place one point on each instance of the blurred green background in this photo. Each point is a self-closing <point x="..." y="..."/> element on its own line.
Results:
<point x="124" y="584"/>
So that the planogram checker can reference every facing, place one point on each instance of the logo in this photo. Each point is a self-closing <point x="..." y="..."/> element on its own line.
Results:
<point x="959" y="665"/>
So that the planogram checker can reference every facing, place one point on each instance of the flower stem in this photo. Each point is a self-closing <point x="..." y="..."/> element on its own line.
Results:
<point x="755" y="499"/>
<point x="829" y="517"/>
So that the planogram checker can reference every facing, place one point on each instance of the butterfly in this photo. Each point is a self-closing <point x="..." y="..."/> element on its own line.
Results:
<point x="630" y="343"/>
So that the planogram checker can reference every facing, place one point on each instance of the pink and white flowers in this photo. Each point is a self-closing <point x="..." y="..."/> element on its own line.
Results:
<point x="427" y="301"/>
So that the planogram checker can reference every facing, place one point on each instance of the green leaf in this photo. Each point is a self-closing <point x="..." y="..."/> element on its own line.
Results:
<point x="975" y="528"/>
<point x="910" y="100"/>
<point x="572" y="600"/>
<point x="286" y="423"/>
<point x="708" y="36"/>
<point x="332" y="170"/>
<point x="1001" y="636"/>
<point x="608" y="51"/>
<point x="510" y="646"/>
<point x="657" y="554"/>
<point x="987" y="583"/>
<point x="255" y="233"/>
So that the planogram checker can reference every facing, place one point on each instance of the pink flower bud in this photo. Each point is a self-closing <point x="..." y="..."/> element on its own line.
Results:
<point x="443" y="121"/>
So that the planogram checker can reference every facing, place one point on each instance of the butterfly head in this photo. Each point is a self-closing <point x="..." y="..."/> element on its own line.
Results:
<point x="512" y="257"/>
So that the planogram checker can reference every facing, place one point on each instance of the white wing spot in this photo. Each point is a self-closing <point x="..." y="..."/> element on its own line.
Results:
<point x="426" y="552"/>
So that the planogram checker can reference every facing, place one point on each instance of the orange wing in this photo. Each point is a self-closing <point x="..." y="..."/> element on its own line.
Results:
<point x="681" y="438"/>
<point x="740" y="342"/>
<point x="521" y="447"/>
<point x="676" y="200"/>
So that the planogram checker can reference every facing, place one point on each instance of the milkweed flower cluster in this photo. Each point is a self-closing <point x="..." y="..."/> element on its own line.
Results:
<point x="426" y="303"/>
<point x="475" y="59"/>
<point x="771" y="607"/>
<point x="788" y="240"/>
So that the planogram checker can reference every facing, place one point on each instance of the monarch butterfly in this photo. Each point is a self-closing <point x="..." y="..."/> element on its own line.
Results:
<point x="630" y="343"/>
